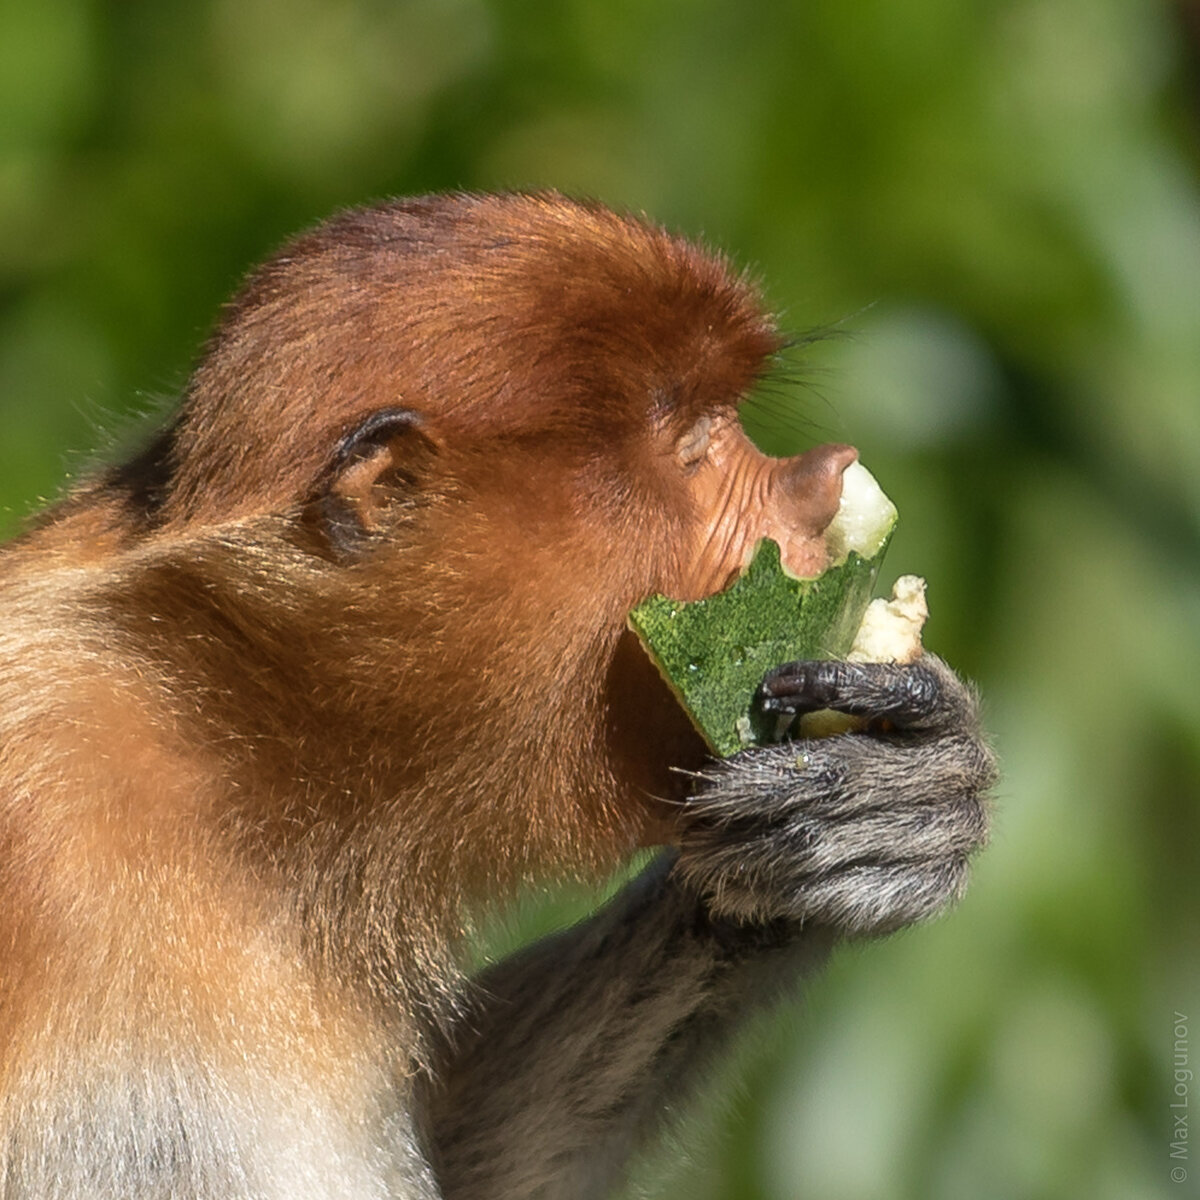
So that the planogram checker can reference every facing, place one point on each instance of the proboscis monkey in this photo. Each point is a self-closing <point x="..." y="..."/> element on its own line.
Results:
<point x="342" y="653"/>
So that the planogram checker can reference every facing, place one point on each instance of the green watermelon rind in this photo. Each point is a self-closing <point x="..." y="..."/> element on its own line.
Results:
<point x="713" y="653"/>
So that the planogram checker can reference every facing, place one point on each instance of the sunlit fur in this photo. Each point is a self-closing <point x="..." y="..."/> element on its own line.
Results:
<point x="340" y="652"/>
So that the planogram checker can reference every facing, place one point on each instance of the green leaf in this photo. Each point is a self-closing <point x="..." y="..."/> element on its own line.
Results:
<point x="714" y="652"/>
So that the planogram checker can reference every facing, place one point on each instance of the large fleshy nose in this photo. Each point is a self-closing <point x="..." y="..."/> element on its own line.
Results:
<point x="810" y="485"/>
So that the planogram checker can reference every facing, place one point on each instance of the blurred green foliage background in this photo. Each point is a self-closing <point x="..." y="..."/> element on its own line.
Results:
<point x="996" y="208"/>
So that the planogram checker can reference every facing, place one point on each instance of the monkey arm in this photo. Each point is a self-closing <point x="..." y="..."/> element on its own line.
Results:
<point x="584" y="1043"/>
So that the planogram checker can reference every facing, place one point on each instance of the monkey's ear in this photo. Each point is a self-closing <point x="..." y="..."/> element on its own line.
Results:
<point x="374" y="469"/>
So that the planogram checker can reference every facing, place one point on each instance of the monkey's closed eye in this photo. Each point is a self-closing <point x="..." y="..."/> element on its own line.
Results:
<point x="693" y="446"/>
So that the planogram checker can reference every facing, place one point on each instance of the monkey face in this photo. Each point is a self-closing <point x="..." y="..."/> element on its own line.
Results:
<point x="447" y="444"/>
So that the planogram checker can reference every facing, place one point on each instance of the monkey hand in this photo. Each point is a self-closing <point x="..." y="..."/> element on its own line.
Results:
<point x="862" y="833"/>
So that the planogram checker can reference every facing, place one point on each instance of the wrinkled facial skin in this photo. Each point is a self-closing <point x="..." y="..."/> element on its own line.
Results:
<point x="746" y="496"/>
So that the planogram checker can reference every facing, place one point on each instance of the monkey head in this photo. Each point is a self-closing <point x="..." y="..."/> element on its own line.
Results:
<point x="341" y="657"/>
<point x="484" y="428"/>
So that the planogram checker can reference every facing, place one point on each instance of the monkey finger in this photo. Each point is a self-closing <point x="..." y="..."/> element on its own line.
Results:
<point x="860" y="899"/>
<point x="901" y="833"/>
<point x="786" y="854"/>
<point x="873" y="900"/>
<point x="923" y="696"/>
<point x="892" y="771"/>
<point x="838" y="778"/>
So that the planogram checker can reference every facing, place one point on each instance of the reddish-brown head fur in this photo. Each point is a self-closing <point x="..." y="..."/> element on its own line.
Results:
<point x="499" y="318"/>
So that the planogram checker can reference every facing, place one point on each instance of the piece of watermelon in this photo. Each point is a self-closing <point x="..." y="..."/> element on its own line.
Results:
<point x="714" y="652"/>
